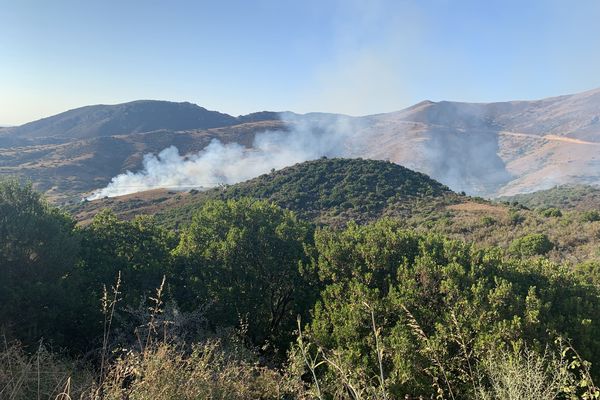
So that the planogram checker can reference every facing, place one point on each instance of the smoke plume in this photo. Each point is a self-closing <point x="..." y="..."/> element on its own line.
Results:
<point x="309" y="137"/>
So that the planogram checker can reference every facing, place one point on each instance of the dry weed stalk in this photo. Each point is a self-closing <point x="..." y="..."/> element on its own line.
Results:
<point x="414" y="325"/>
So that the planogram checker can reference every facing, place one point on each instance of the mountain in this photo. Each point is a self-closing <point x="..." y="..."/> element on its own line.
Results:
<point x="67" y="170"/>
<point x="486" y="149"/>
<point x="495" y="148"/>
<point x="325" y="191"/>
<point x="127" y="118"/>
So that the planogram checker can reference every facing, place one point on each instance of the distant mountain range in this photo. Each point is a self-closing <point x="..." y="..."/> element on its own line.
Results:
<point x="485" y="149"/>
<point x="123" y="119"/>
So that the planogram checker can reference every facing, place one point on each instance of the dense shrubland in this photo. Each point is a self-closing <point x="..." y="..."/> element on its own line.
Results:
<point x="249" y="301"/>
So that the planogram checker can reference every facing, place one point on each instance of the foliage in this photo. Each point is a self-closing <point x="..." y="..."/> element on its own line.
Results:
<point x="332" y="191"/>
<point x="392" y="308"/>
<point x="525" y="375"/>
<point x="38" y="251"/>
<point x="590" y="216"/>
<point x="139" y="249"/>
<point x="550" y="212"/>
<point x="439" y="303"/>
<point x="580" y="197"/>
<point x="207" y="372"/>
<point x="531" y="245"/>
<point x="244" y="259"/>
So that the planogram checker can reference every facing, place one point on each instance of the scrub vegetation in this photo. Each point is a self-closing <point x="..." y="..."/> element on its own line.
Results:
<point x="278" y="289"/>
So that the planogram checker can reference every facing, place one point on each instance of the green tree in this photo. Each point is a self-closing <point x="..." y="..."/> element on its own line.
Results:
<point x="139" y="249"/>
<point x="38" y="255"/>
<point x="243" y="259"/>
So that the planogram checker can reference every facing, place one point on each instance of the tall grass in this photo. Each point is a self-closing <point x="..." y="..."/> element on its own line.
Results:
<point x="220" y="367"/>
<point x="40" y="375"/>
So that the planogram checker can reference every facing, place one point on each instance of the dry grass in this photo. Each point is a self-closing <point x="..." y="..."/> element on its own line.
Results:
<point x="207" y="372"/>
<point x="42" y="375"/>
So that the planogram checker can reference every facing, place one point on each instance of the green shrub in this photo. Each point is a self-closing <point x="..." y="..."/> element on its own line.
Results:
<point x="515" y="217"/>
<point x="590" y="216"/>
<point x="550" y="212"/>
<point x="531" y="245"/>
<point x="488" y="221"/>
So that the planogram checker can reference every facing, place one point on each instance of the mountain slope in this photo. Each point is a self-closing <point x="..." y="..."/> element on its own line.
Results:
<point x="331" y="191"/>
<point x="570" y="197"/>
<point x="65" y="171"/>
<point x="496" y="148"/>
<point x="483" y="149"/>
<point x="134" y="117"/>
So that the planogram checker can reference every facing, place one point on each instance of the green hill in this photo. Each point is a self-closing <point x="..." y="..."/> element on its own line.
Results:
<point x="325" y="191"/>
<point x="335" y="191"/>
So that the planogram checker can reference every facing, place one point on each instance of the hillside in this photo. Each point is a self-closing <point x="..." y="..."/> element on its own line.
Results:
<point x="133" y="117"/>
<point x="335" y="191"/>
<point x="331" y="191"/>
<point x="574" y="197"/>
<point x="495" y="148"/>
<point x="66" y="171"/>
<point x="484" y="149"/>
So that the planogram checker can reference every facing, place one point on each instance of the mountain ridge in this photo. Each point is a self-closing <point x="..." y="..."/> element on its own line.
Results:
<point x="488" y="149"/>
<point x="131" y="117"/>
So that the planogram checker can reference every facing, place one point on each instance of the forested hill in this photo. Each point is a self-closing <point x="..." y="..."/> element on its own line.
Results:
<point x="577" y="197"/>
<point x="330" y="191"/>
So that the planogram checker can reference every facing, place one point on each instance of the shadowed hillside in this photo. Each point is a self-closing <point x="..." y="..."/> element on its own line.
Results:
<point x="134" y="117"/>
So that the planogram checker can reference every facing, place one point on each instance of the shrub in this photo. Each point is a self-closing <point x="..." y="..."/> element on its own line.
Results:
<point x="590" y="216"/>
<point x="208" y="372"/>
<point x="550" y="212"/>
<point x="531" y="245"/>
<point x="515" y="217"/>
<point x="488" y="221"/>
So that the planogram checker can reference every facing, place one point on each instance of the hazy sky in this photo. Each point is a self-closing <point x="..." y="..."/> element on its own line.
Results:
<point x="355" y="57"/>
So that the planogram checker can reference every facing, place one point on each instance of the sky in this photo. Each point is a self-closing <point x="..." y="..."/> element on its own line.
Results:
<point x="346" y="56"/>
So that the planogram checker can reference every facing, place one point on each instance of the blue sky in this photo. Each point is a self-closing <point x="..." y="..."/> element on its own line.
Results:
<point x="348" y="56"/>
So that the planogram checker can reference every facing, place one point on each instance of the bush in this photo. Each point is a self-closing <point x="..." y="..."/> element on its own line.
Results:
<point x="550" y="212"/>
<point x="488" y="221"/>
<point x="590" y="216"/>
<point x="437" y="302"/>
<point x="244" y="257"/>
<point x="515" y="217"/>
<point x="531" y="245"/>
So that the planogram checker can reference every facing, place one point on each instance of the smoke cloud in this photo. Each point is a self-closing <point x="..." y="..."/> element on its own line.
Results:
<point x="309" y="137"/>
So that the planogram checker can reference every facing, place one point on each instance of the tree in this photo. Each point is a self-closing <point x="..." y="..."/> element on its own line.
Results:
<point x="243" y="258"/>
<point x="139" y="249"/>
<point x="38" y="254"/>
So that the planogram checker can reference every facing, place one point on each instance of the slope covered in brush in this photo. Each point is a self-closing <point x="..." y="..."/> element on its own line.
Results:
<point x="330" y="191"/>
<point x="340" y="184"/>
<point x="578" y="197"/>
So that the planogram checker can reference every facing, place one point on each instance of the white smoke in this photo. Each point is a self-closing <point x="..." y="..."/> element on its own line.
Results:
<point x="309" y="137"/>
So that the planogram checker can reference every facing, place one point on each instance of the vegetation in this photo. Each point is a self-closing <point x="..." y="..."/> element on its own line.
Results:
<point x="251" y="300"/>
<point x="580" y="197"/>
<point x="324" y="191"/>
